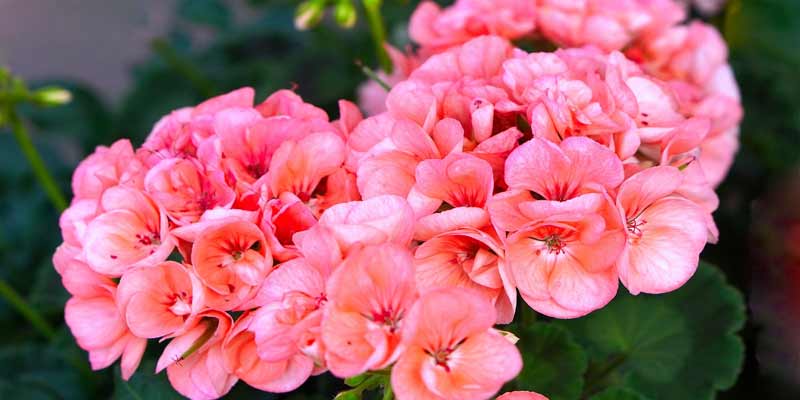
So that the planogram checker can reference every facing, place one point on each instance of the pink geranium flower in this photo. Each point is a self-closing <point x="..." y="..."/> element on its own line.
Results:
<point x="665" y="232"/>
<point x="521" y="396"/>
<point x="451" y="350"/>
<point x="132" y="231"/>
<point x="194" y="358"/>
<point x="106" y="167"/>
<point x="566" y="236"/>
<point x="369" y="297"/>
<point x="242" y="360"/>
<point x="231" y="259"/>
<point x="157" y="301"/>
<point x="287" y="323"/>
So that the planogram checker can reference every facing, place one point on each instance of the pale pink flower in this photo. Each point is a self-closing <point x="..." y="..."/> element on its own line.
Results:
<point x="436" y="29"/>
<point x="132" y="231"/>
<point x="369" y="296"/>
<point x="106" y="167"/>
<point x="186" y="189"/>
<point x="381" y="219"/>
<point x="231" y="259"/>
<point x="372" y="96"/>
<point x="287" y="323"/>
<point x="666" y="232"/>
<point x="157" y="301"/>
<point x="521" y="396"/>
<point x="461" y="183"/>
<point x="467" y="258"/>
<point x="241" y="359"/>
<point x="608" y="24"/>
<point x="194" y="358"/>
<point x="77" y="277"/>
<point x="76" y="218"/>
<point x="99" y="329"/>
<point x="451" y="350"/>
<point x="566" y="236"/>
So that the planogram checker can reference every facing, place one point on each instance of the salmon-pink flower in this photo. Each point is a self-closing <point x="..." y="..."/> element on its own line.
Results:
<point x="77" y="277"/>
<point x="106" y="167"/>
<point x="194" y="358"/>
<point x="467" y="258"/>
<point x="462" y="182"/>
<point x="563" y="247"/>
<point x="241" y="359"/>
<point x="287" y="323"/>
<point x="608" y="24"/>
<point x="451" y="350"/>
<point x="186" y="189"/>
<point x="281" y="218"/>
<point x="436" y="29"/>
<point x="288" y="103"/>
<point x="665" y="232"/>
<point x="99" y="329"/>
<point x="131" y="232"/>
<point x="298" y="167"/>
<point x="76" y="218"/>
<point x="157" y="301"/>
<point x="369" y="296"/>
<point x="521" y="396"/>
<point x="381" y="219"/>
<point x="232" y="259"/>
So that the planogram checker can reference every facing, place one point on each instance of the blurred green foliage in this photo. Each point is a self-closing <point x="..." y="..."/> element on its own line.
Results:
<point x="268" y="53"/>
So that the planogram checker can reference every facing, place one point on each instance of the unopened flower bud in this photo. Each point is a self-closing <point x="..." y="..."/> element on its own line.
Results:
<point x="309" y="14"/>
<point x="52" y="96"/>
<point x="345" y="14"/>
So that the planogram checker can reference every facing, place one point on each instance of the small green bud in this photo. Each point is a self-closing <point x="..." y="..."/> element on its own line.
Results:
<point x="345" y="14"/>
<point x="52" y="96"/>
<point x="309" y="14"/>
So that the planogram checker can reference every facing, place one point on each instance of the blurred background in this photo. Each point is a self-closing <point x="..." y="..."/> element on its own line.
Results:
<point x="129" y="62"/>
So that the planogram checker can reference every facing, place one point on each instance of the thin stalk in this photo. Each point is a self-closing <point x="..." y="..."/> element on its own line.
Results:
<point x="31" y="314"/>
<point x="378" y="30"/>
<point x="373" y="76"/>
<point x="35" y="160"/>
<point x="184" y="67"/>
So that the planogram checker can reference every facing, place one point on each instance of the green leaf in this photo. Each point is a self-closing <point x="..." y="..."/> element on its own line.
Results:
<point x="213" y="13"/>
<point x="144" y="385"/>
<point x="650" y="343"/>
<point x="553" y="363"/>
<point x="618" y="393"/>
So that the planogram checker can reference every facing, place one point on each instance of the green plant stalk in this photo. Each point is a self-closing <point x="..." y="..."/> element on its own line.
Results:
<point x="34" y="317"/>
<point x="36" y="162"/>
<point x="378" y="30"/>
<point x="184" y="67"/>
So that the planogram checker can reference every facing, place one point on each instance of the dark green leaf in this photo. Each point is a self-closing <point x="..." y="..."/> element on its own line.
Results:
<point x="144" y="385"/>
<point x="618" y="393"/>
<point x="553" y="363"/>
<point x="650" y="343"/>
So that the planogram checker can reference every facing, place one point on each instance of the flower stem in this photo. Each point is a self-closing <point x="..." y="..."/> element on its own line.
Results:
<point x="35" y="160"/>
<point x="378" y="29"/>
<point x="31" y="314"/>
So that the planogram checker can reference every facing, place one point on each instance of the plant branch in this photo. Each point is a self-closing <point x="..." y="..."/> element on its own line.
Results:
<point x="29" y="313"/>
<point x="378" y="30"/>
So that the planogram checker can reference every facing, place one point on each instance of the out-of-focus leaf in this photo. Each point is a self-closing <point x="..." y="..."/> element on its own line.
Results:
<point x="618" y="394"/>
<point x="213" y="13"/>
<point x="553" y="363"/>
<point x="681" y="345"/>
<point x="144" y="384"/>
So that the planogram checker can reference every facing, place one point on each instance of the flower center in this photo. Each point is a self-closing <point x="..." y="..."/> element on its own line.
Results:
<point x="634" y="226"/>
<point x="555" y="244"/>
<point x="441" y="356"/>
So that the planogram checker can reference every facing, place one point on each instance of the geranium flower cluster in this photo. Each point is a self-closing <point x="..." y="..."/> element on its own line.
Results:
<point x="266" y="243"/>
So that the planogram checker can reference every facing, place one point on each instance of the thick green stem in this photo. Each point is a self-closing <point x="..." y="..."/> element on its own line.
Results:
<point x="36" y="162"/>
<point x="36" y="320"/>
<point x="378" y="29"/>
